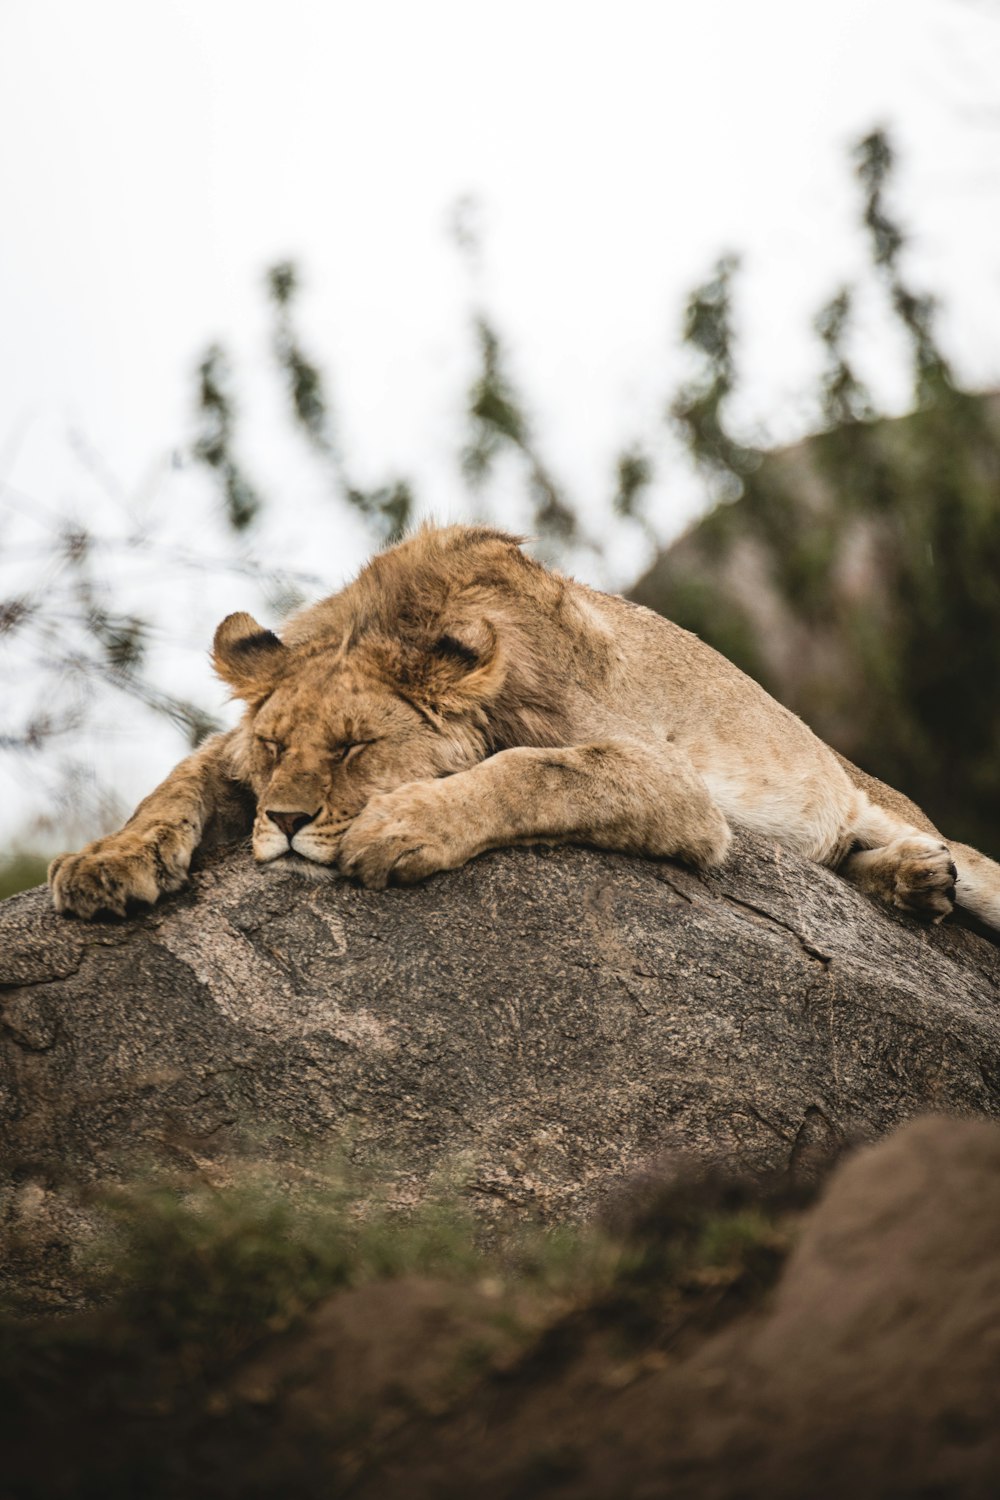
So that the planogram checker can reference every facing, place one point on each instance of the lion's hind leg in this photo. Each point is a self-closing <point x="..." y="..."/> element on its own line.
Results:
<point x="914" y="872"/>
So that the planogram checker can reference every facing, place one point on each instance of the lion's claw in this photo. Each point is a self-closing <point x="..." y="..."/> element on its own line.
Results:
<point x="111" y="874"/>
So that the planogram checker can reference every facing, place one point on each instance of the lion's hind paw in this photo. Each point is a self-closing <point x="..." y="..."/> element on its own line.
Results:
<point x="925" y="876"/>
<point x="915" y="873"/>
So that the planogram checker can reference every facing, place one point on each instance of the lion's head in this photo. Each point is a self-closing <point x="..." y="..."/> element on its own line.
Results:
<point x="330" y="724"/>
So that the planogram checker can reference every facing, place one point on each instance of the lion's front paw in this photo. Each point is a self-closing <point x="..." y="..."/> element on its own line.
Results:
<point x="110" y="873"/>
<point x="925" y="876"/>
<point x="403" y="836"/>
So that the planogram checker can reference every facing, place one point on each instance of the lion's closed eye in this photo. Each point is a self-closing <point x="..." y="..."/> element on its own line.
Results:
<point x="343" y="753"/>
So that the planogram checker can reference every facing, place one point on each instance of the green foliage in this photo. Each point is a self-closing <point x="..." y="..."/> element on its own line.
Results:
<point x="65" y="637"/>
<point x="874" y="160"/>
<point x="635" y="475"/>
<point x="205" y="1371"/>
<point x="698" y="409"/>
<point x="304" y="381"/>
<point x="497" y="424"/>
<point x="20" y="872"/>
<point x="494" y="408"/>
<point x="196" y="1276"/>
<point x="843" y="397"/>
<point x="387" y="508"/>
<point x="897" y="673"/>
<point x="941" y="566"/>
<point x="200" y="1274"/>
<point x="701" y="1240"/>
<point x="214" y="444"/>
<point x="208" y="1271"/>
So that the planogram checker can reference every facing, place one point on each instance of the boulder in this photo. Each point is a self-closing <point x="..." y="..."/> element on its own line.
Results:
<point x="531" y="1028"/>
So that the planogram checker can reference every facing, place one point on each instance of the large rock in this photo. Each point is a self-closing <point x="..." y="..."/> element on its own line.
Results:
<point x="539" y="1022"/>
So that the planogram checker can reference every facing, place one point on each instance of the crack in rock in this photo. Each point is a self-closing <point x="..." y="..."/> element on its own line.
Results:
<point x="826" y="959"/>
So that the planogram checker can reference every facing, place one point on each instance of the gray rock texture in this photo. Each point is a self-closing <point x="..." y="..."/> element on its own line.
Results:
<point x="539" y="1023"/>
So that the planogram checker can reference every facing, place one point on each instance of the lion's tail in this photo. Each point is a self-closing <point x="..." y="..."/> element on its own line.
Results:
<point x="978" y="884"/>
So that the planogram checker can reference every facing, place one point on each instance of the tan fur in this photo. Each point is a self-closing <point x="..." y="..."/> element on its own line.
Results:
<point x="457" y="697"/>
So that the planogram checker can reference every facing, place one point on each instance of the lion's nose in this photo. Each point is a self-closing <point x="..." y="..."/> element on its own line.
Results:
<point x="290" y="822"/>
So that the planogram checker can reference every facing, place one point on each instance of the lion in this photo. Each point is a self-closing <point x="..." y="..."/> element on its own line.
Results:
<point x="457" y="697"/>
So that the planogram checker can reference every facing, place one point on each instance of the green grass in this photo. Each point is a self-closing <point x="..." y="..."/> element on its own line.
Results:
<point x="189" y="1277"/>
<point x="208" y="1270"/>
<point x="196" y="1288"/>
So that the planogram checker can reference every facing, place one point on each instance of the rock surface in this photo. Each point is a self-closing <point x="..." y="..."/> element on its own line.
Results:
<point x="540" y="1022"/>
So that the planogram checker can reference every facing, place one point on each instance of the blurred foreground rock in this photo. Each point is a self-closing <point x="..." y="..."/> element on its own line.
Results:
<point x="849" y="1350"/>
<point x="538" y="1023"/>
<point x="873" y="1371"/>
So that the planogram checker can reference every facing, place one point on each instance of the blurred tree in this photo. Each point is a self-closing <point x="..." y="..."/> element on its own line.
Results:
<point x="214" y="444"/>
<point x="497" y="422"/>
<point x="857" y="575"/>
<point x="387" y="509"/>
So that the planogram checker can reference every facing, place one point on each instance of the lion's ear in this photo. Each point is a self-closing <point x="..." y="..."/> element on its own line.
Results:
<point x="463" y="668"/>
<point x="247" y="656"/>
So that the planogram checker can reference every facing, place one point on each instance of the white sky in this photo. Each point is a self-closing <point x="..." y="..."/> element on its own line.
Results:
<point x="156" y="157"/>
